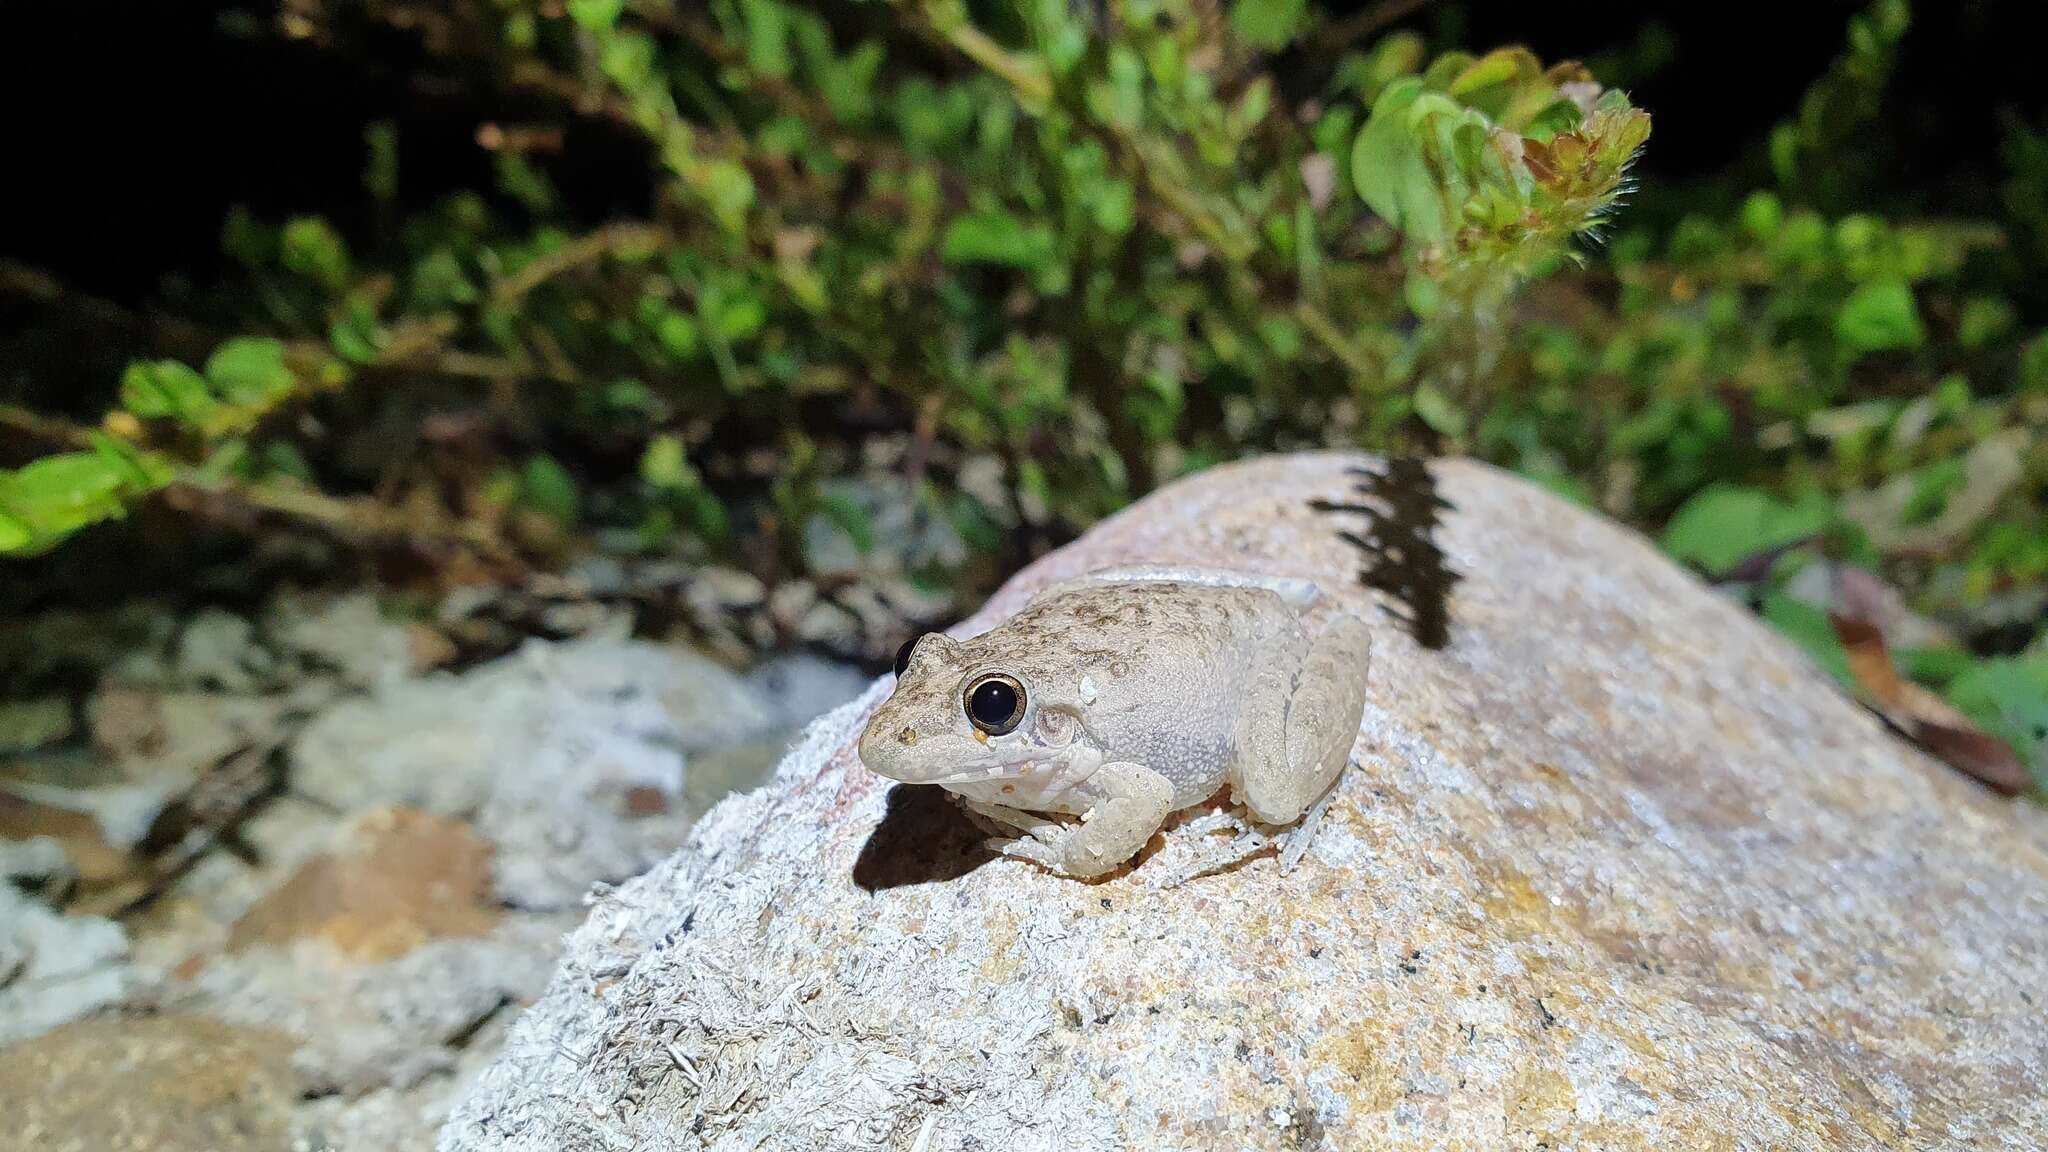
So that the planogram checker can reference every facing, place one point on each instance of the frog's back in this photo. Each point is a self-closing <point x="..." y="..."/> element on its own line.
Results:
<point x="1161" y="670"/>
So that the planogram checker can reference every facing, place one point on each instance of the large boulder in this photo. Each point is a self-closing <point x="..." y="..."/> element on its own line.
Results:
<point x="1617" y="870"/>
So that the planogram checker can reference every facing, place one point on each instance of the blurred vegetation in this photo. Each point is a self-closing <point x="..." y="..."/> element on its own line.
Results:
<point x="1011" y="265"/>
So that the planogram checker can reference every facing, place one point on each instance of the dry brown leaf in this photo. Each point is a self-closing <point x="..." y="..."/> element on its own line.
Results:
<point x="1921" y="716"/>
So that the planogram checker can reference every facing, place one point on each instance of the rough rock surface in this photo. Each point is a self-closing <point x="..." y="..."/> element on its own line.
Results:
<point x="569" y="758"/>
<point x="1617" y="870"/>
<point x="55" y="968"/>
<point x="167" y="1084"/>
<point x="356" y="963"/>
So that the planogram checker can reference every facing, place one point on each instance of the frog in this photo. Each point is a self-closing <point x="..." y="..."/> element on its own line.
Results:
<point x="1115" y="699"/>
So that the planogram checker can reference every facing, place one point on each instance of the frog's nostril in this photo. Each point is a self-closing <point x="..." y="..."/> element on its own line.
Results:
<point x="907" y="737"/>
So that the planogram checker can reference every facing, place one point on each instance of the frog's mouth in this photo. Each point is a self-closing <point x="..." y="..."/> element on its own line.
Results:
<point x="990" y="760"/>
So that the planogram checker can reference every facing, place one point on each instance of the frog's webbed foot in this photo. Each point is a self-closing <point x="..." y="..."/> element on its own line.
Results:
<point x="1294" y="843"/>
<point x="1250" y="839"/>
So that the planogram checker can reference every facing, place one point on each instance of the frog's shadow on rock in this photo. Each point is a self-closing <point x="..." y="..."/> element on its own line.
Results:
<point x="923" y="838"/>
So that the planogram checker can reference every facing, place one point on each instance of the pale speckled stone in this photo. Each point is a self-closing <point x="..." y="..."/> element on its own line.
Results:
<point x="1618" y="871"/>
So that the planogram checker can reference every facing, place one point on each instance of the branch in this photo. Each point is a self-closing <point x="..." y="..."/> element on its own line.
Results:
<point x="1338" y="37"/>
<point x="608" y="240"/>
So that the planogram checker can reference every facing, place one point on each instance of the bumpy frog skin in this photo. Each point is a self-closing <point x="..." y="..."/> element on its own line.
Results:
<point x="1122" y="697"/>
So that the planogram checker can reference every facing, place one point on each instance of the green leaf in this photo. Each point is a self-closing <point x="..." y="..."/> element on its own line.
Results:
<point x="15" y="536"/>
<point x="666" y="466"/>
<point x="1114" y="207"/>
<point x="729" y="190"/>
<point x="1809" y="627"/>
<point x="1878" y="317"/>
<point x="354" y="335"/>
<point x="313" y="249"/>
<point x="165" y="388"/>
<point x="596" y="15"/>
<point x="1436" y="410"/>
<point x="742" y="319"/>
<point x="996" y="237"/>
<point x="1934" y="665"/>
<point x="1762" y="213"/>
<point x="380" y="167"/>
<point x="57" y="495"/>
<point x="438" y="281"/>
<point x="143" y="471"/>
<point x="283" y="458"/>
<point x="1985" y="319"/>
<point x="1388" y="170"/>
<point x="1268" y="25"/>
<point x="851" y="517"/>
<point x="767" y="25"/>
<point x="2034" y="364"/>
<point x="677" y="334"/>
<point x="2009" y="699"/>
<point x="628" y="58"/>
<point x="250" y="371"/>
<point x="547" y="487"/>
<point x="1726" y="524"/>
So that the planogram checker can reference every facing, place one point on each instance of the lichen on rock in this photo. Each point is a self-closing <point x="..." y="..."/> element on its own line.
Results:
<point x="1616" y="868"/>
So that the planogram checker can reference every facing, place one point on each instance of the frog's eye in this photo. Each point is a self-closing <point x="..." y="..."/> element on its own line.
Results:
<point x="995" y="703"/>
<point x="903" y="655"/>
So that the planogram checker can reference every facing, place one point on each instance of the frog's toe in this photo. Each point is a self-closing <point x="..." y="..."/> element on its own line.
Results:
<point x="1030" y="848"/>
<point x="1014" y="819"/>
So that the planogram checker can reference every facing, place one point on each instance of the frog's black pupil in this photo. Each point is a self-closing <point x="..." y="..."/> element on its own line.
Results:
<point x="993" y="703"/>
<point x="903" y="654"/>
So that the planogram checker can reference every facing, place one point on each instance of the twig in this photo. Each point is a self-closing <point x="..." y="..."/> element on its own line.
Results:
<point x="32" y="283"/>
<point x="588" y="249"/>
<point x="361" y="524"/>
<point x="48" y="429"/>
<point x="1341" y="35"/>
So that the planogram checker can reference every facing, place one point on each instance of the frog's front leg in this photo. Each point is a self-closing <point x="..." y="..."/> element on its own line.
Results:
<point x="1300" y="727"/>
<point x="1129" y="803"/>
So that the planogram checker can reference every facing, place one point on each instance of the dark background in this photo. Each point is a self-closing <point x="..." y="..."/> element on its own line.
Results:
<point x="135" y="126"/>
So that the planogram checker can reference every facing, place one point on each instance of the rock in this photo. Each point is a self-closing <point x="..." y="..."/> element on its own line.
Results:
<point x="56" y="644"/>
<point x="724" y="771"/>
<point x="1618" y="869"/>
<point x="348" y="634"/>
<point x="36" y="863"/>
<point x="830" y="626"/>
<point x="569" y="758"/>
<point x="718" y="590"/>
<point x="365" y="1027"/>
<point x="190" y="922"/>
<point x="63" y="967"/>
<point x="126" y="722"/>
<point x="13" y="958"/>
<point x="397" y="879"/>
<point x="218" y="649"/>
<point x="165" y="1084"/>
<point x="798" y="688"/>
<point x="89" y="857"/>
<point x="397" y="1119"/>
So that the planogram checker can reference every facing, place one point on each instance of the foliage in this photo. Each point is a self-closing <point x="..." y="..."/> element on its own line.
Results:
<point x="1036" y="260"/>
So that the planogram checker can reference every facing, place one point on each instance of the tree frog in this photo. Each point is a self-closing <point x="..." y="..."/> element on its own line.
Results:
<point x="1124" y="696"/>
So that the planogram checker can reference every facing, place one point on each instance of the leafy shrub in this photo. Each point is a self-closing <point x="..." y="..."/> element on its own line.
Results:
<point x="1037" y="260"/>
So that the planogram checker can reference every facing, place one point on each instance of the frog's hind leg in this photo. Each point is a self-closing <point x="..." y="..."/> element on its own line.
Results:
<point x="1299" y="734"/>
